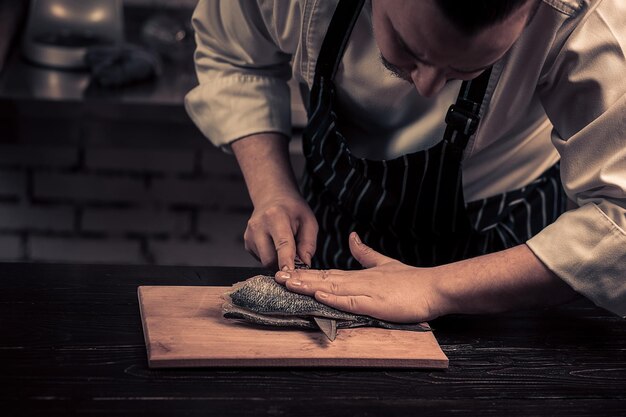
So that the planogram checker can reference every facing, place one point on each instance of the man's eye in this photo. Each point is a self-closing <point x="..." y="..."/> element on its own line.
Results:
<point x="394" y="70"/>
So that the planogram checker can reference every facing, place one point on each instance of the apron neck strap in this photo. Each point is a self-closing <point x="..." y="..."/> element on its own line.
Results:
<point x="463" y="116"/>
<point x="336" y="38"/>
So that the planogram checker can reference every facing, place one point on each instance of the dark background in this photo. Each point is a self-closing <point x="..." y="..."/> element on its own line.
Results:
<point x="90" y="174"/>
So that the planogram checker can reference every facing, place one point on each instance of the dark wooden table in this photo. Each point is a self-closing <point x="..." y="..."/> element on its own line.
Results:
<point x="71" y="343"/>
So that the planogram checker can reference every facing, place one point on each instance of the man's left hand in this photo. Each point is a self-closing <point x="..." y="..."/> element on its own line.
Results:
<point x="386" y="289"/>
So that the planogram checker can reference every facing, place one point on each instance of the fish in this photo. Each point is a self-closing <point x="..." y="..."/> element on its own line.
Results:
<point x="261" y="300"/>
<point x="327" y="326"/>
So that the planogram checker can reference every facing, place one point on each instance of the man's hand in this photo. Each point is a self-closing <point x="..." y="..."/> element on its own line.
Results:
<point x="279" y="229"/>
<point x="282" y="224"/>
<point x="387" y="289"/>
<point x="390" y="290"/>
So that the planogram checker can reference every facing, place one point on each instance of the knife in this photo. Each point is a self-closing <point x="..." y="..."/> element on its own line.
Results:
<point x="327" y="326"/>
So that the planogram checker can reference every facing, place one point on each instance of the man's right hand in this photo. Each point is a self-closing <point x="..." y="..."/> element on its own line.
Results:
<point x="279" y="230"/>
<point x="282" y="224"/>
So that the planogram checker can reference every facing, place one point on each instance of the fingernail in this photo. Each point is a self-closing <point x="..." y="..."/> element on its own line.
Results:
<point x="357" y="239"/>
<point x="322" y="295"/>
<point x="283" y="275"/>
<point x="295" y="282"/>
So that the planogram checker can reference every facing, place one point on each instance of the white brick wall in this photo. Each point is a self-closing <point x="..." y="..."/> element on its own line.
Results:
<point x="140" y="160"/>
<point x="84" y="250"/>
<point x="22" y="217"/>
<point x="88" y="187"/>
<point x="195" y="252"/>
<point x="200" y="192"/>
<point x="10" y="248"/>
<point x="12" y="184"/>
<point x="130" y="205"/>
<point x="22" y="156"/>
<point x="133" y="221"/>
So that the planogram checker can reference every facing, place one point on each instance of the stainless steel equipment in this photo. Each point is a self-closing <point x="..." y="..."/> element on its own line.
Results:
<point x="59" y="32"/>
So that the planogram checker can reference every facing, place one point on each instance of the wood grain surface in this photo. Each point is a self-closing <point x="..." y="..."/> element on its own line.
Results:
<point x="72" y="344"/>
<point x="184" y="327"/>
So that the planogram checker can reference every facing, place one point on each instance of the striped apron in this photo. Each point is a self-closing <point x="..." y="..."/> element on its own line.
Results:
<point x="410" y="208"/>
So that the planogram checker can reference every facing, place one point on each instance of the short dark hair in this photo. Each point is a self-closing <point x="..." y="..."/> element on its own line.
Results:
<point x="472" y="16"/>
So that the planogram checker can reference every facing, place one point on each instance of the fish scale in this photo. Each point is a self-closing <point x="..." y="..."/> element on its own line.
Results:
<point x="261" y="300"/>
<point x="264" y="295"/>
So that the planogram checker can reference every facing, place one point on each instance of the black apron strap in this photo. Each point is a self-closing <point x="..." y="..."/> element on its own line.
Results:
<point x="463" y="116"/>
<point x="335" y="41"/>
<point x="462" y="121"/>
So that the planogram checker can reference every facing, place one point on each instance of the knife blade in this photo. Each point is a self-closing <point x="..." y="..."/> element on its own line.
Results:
<point x="299" y="264"/>
<point x="327" y="326"/>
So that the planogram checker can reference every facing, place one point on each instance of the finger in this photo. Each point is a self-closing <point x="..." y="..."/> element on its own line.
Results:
<point x="293" y="275"/>
<point x="254" y="254"/>
<point x="259" y="244"/>
<point x="310" y="275"/>
<point x="266" y="251"/>
<point x="365" y="255"/>
<point x="306" y="239"/>
<point x="284" y="242"/>
<point x="357" y="304"/>
<point x="310" y="286"/>
<point x="249" y="246"/>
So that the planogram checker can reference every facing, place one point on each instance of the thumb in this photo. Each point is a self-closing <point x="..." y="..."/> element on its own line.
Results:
<point x="365" y="255"/>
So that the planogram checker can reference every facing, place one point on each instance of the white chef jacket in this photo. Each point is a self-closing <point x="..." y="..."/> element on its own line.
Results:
<point x="559" y="92"/>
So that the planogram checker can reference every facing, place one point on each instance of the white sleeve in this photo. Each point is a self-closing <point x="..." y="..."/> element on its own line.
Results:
<point x="242" y="60"/>
<point x="584" y="94"/>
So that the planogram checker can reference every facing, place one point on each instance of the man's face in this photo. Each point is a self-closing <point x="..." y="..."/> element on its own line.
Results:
<point x="418" y="44"/>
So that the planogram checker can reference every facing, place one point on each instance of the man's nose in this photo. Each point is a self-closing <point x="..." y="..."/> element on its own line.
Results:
<point x="428" y="80"/>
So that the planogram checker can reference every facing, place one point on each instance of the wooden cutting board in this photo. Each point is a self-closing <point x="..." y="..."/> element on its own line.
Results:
<point x="184" y="327"/>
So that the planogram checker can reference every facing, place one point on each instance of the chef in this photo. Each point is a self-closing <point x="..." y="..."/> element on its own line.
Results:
<point x="446" y="141"/>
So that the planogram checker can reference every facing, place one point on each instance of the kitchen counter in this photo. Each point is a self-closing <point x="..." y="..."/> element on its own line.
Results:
<point x="67" y="102"/>
<point x="72" y="344"/>
<point x="64" y="107"/>
<point x="23" y="82"/>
